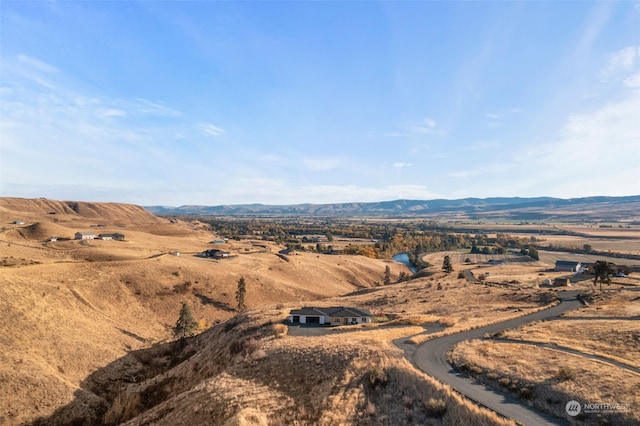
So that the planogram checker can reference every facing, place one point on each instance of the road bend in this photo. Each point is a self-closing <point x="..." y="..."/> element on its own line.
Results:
<point x="431" y="357"/>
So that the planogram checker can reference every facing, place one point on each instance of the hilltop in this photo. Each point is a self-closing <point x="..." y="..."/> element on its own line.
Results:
<point x="30" y="208"/>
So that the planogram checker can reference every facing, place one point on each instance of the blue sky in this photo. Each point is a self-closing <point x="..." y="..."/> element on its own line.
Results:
<point x="280" y="102"/>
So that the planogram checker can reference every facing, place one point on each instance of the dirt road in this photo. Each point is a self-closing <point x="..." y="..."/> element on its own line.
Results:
<point x="431" y="357"/>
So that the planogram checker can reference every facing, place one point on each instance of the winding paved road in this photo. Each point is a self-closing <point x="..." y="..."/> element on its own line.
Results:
<point x="431" y="357"/>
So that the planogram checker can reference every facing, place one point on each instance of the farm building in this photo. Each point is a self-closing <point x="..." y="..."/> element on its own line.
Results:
<point x="18" y="222"/>
<point x="567" y="266"/>
<point x="115" y="237"/>
<point x="338" y="315"/>
<point x="85" y="235"/>
<point x="561" y="282"/>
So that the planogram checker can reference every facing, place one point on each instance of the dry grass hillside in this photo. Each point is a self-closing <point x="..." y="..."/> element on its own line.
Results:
<point x="243" y="371"/>
<point x="591" y="355"/>
<point x="32" y="209"/>
<point x="86" y="337"/>
<point x="70" y="307"/>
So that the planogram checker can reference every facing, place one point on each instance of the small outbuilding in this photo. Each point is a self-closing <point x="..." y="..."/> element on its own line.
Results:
<point x="338" y="315"/>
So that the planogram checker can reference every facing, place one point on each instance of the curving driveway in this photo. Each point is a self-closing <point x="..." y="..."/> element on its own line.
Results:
<point x="431" y="357"/>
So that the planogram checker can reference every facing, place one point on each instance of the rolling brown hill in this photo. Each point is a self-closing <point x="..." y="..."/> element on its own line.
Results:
<point x="28" y="208"/>
<point x="71" y="307"/>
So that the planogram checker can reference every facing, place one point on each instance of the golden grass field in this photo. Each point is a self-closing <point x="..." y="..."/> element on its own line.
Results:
<point x="87" y="326"/>
<point x="608" y="329"/>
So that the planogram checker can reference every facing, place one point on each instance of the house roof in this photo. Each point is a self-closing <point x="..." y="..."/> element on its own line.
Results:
<point x="336" y="311"/>
<point x="567" y="262"/>
<point x="86" y="233"/>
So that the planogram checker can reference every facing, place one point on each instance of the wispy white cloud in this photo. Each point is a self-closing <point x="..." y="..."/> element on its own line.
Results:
<point x="37" y="64"/>
<point x="425" y="126"/>
<point x="412" y="128"/>
<point x="633" y="81"/>
<point x="145" y="106"/>
<point x="621" y="63"/>
<point x="400" y="165"/>
<point x="211" y="129"/>
<point x="111" y="112"/>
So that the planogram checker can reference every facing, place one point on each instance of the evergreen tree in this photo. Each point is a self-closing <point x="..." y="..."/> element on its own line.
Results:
<point x="387" y="275"/>
<point x="240" y="293"/>
<point x="533" y="253"/>
<point x="446" y="265"/>
<point x="186" y="324"/>
<point x="603" y="271"/>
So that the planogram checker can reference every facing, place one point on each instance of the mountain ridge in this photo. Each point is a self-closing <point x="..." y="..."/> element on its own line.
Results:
<point x="406" y="207"/>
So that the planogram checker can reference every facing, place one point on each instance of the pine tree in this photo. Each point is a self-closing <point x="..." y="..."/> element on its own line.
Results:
<point x="446" y="265"/>
<point x="387" y="275"/>
<point x="240" y="293"/>
<point x="186" y="324"/>
<point x="603" y="270"/>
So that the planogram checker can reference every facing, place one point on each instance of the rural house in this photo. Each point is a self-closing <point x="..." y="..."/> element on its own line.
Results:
<point x="567" y="266"/>
<point x="115" y="237"/>
<point x="215" y="253"/>
<point x="339" y="315"/>
<point x="85" y="235"/>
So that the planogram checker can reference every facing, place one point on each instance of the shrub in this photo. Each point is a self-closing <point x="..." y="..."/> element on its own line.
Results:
<point x="377" y="377"/>
<point x="436" y="407"/>
<point x="245" y="347"/>
<point x="525" y="393"/>
<point x="279" y="330"/>
<point x="565" y="373"/>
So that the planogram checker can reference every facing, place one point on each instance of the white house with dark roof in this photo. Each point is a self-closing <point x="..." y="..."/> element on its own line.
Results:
<point x="116" y="237"/>
<point x="567" y="266"/>
<point x="85" y="235"/>
<point x="338" y="315"/>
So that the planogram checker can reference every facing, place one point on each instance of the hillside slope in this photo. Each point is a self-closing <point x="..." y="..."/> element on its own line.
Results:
<point x="29" y="208"/>
<point x="71" y="307"/>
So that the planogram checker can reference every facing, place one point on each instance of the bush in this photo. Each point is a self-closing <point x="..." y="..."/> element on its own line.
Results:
<point x="245" y="347"/>
<point x="279" y="330"/>
<point x="377" y="377"/>
<point x="565" y="374"/>
<point x="505" y="382"/>
<point x="525" y="393"/>
<point x="436" y="407"/>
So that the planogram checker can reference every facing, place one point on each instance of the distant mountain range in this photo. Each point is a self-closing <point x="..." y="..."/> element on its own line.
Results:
<point x="510" y="206"/>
